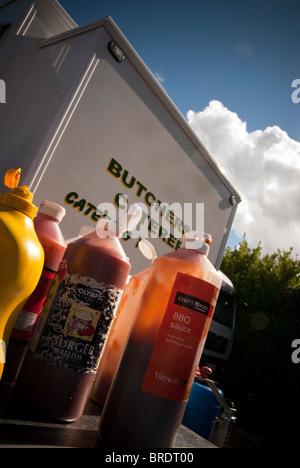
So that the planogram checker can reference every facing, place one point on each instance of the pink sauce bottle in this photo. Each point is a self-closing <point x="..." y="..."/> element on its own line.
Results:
<point x="151" y="387"/>
<point x="120" y="329"/>
<point x="60" y="366"/>
<point x="46" y="225"/>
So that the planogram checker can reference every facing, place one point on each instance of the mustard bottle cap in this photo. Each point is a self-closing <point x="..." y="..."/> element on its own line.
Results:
<point x="19" y="198"/>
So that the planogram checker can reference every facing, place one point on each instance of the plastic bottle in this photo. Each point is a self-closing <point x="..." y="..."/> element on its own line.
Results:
<point x="21" y="254"/>
<point x="47" y="228"/>
<point x="120" y="329"/>
<point x="149" y="393"/>
<point x="60" y="366"/>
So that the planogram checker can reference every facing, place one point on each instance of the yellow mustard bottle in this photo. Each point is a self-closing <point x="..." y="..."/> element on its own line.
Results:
<point x="21" y="254"/>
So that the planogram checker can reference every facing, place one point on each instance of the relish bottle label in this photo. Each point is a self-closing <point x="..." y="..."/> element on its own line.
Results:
<point x="181" y="338"/>
<point x="75" y="320"/>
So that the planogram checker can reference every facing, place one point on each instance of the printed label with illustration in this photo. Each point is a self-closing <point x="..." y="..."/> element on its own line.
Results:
<point x="181" y="338"/>
<point x="75" y="321"/>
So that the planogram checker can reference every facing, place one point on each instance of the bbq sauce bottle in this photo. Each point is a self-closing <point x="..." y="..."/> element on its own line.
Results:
<point x="148" y="396"/>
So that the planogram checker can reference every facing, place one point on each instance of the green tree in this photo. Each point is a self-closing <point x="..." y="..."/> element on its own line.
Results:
<point x="260" y="376"/>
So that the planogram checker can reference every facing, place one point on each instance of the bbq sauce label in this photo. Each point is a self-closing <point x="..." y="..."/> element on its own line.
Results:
<point x="75" y="321"/>
<point x="181" y="338"/>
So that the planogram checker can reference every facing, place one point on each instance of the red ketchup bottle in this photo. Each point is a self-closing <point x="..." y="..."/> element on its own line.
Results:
<point x="120" y="329"/>
<point x="46" y="225"/>
<point x="148" y="396"/>
<point x="60" y="366"/>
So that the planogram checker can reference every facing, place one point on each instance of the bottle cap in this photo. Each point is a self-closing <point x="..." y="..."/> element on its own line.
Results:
<point x="197" y="241"/>
<point x="19" y="198"/>
<point x="147" y="249"/>
<point x="52" y="209"/>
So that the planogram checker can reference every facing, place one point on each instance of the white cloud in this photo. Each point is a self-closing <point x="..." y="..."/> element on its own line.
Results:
<point x="160" y="77"/>
<point x="264" y="166"/>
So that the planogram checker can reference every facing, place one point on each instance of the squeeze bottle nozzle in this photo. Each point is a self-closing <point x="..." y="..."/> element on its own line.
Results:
<point x="19" y="198"/>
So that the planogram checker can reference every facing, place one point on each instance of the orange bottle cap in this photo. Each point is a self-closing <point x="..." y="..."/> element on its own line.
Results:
<point x="19" y="198"/>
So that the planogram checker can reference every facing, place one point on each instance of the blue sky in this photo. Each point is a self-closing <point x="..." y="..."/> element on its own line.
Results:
<point x="228" y="66"/>
<point x="244" y="53"/>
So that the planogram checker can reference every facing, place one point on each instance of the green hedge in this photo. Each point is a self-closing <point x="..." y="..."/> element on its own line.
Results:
<point x="260" y="375"/>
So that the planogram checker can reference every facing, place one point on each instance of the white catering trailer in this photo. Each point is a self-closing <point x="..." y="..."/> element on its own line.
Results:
<point x="89" y="124"/>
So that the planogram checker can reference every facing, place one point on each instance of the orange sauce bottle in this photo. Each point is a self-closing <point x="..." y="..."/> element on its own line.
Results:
<point x="148" y="396"/>
<point x="120" y="329"/>
<point x="117" y="337"/>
